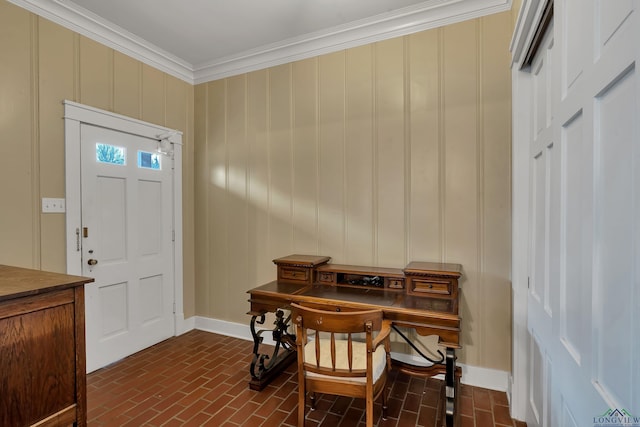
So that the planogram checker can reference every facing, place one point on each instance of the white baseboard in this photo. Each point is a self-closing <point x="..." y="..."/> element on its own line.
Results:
<point x="230" y="329"/>
<point x="471" y="375"/>
<point x="184" y="325"/>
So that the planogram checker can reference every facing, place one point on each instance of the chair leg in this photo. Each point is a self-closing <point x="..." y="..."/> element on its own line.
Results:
<point x="301" y="408"/>
<point x="312" y="398"/>
<point x="369" y="413"/>
<point x="385" y="406"/>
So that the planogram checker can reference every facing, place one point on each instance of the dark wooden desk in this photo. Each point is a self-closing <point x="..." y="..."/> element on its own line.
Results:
<point x="423" y="297"/>
<point x="42" y="348"/>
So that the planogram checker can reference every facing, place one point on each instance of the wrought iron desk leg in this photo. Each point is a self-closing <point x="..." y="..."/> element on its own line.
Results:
<point x="450" y="388"/>
<point x="265" y="367"/>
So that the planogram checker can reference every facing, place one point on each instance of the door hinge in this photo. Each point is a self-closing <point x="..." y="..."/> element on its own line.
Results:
<point x="173" y="235"/>
<point x="528" y="284"/>
<point x="174" y="307"/>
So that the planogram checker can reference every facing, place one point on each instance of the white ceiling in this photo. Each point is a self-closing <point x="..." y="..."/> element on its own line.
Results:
<point x="202" y="40"/>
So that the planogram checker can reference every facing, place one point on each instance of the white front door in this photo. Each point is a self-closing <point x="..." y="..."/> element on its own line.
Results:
<point x="126" y="243"/>
<point x="584" y="260"/>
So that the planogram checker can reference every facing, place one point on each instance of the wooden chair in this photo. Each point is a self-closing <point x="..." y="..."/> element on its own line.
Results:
<point x="333" y="358"/>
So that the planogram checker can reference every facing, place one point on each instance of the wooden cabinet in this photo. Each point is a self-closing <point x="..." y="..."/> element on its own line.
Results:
<point x="418" y="278"/>
<point x="433" y="279"/>
<point x="42" y="348"/>
<point x="299" y="268"/>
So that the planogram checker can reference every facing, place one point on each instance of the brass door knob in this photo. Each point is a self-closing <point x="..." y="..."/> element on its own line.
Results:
<point x="92" y="261"/>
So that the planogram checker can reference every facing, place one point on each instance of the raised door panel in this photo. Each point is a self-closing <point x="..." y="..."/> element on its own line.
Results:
<point x="610" y="17"/>
<point x="575" y="281"/>
<point x="574" y="50"/>
<point x="616" y="274"/>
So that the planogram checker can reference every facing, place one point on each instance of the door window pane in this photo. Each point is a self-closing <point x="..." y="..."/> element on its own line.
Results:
<point x="112" y="154"/>
<point x="149" y="160"/>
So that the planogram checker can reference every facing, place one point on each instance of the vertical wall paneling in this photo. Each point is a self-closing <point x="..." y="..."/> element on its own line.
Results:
<point x="334" y="188"/>
<point x="376" y="155"/>
<point x="202" y="182"/>
<point x="495" y="104"/>
<point x="56" y="82"/>
<point x="44" y="64"/>
<point x="389" y="163"/>
<point x="96" y="74"/>
<point x="237" y="200"/>
<point x="188" y="183"/>
<point x="305" y="156"/>
<point x="127" y="80"/>
<point x="425" y="221"/>
<point x="461" y="169"/>
<point x="16" y="224"/>
<point x="280" y="160"/>
<point x="35" y="141"/>
<point x="217" y="196"/>
<point x="359" y="150"/>
<point x="153" y="95"/>
<point x="259" y="263"/>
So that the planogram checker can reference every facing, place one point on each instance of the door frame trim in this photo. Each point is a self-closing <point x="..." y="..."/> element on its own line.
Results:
<point x="74" y="116"/>
<point x="531" y="24"/>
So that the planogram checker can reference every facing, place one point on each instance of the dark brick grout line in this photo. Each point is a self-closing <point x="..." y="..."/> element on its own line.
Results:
<point x="201" y="379"/>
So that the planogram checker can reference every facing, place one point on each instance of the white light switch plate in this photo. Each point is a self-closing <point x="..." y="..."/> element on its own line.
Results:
<point x="50" y="205"/>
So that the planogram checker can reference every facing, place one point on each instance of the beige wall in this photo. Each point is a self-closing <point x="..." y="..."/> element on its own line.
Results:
<point x="376" y="155"/>
<point x="41" y="64"/>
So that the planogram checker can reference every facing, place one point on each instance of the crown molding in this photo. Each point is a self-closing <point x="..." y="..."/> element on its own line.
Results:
<point x="88" y="24"/>
<point x="423" y="16"/>
<point x="408" y="20"/>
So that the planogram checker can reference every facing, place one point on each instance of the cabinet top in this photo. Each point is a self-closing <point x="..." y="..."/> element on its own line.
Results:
<point x="16" y="282"/>
<point x="302" y="260"/>
<point x="438" y="268"/>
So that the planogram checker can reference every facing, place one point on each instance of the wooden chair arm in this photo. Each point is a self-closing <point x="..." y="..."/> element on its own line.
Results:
<point x="385" y="330"/>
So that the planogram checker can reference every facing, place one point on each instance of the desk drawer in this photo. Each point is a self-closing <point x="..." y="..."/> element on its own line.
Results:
<point x="295" y="274"/>
<point x="327" y="277"/>
<point x="432" y="286"/>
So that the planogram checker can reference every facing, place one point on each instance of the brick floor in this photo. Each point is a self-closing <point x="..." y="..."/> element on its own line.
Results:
<point x="201" y="379"/>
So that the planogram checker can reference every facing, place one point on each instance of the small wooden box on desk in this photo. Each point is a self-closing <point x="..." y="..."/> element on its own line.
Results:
<point x="42" y="348"/>
<point x="427" y="279"/>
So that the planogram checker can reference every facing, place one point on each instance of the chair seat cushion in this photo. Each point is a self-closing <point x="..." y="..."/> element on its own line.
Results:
<point x="342" y="361"/>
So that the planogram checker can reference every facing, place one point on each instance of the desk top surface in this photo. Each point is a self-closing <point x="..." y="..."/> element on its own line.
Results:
<point x="360" y="297"/>
<point x="16" y="282"/>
